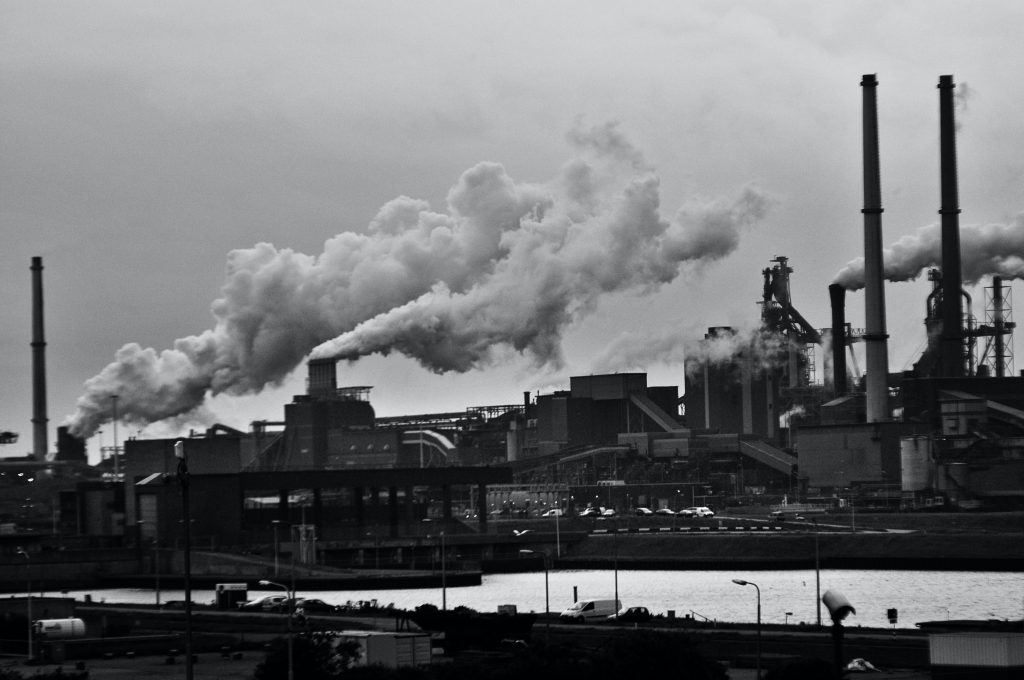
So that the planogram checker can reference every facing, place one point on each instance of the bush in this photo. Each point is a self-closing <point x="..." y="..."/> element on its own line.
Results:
<point x="317" y="656"/>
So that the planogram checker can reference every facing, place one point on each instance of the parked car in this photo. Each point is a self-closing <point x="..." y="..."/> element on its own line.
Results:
<point x="643" y="512"/>
<point x="554" y="512"/>
<point x="697" y="511"/>
<point x="665" y="511"/>
<point x="266" y="603"/>
<point x="313" y="605"/>
<point x="631" y="615"/>
<point x="608" y="512"/>
<point x="591" y="512"/>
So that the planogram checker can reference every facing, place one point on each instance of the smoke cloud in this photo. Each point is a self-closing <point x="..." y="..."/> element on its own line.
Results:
<point x="638" y="351"/>
<point x="985" y="250"/>
<point x="508" y="265"/>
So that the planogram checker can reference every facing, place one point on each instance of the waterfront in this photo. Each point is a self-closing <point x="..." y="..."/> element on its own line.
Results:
<point x="786" y="596"/>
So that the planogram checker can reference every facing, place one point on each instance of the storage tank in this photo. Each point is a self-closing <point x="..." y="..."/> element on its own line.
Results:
<point x="59" y="629"/>
<point x="916" y="469"/>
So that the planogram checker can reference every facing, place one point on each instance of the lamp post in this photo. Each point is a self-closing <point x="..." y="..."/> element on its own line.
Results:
<point x="444" y="578"/>
<point x="183" y="480"/>
<point x="741" y="582"/>
<point x="616" y="541"/>
<point x="28" y="597"/>
<point x="558" y="535"/>
<point x="817" y="572"/>
<point x="547" y="593"/>
<point x="291" y="608"/>
<point x="277" y="550"/>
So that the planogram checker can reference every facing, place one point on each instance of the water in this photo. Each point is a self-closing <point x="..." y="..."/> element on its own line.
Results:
<point x="917" y="595"/>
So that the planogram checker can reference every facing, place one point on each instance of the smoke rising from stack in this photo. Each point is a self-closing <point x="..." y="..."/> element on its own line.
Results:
<point x="508" y="266"/>
<point x="985" y="250"/>
<point x="638" y="351"/>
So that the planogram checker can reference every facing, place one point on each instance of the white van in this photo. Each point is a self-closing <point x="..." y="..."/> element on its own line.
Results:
<point x="587" y="610"/>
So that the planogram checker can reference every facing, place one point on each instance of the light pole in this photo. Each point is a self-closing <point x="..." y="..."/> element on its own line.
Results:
<point x="741" y="582"/>
<point x="183" y="480"/>
<point x="547" y="594"/>
<point x="817" y="571"/>
<point x="444" y="579"/>
<point x="291" y="607"/>
<point x="616" y="540"/>
<point x="558" y="535"/>
<point x="277" y="550"/>
<point x="28" y="597"/>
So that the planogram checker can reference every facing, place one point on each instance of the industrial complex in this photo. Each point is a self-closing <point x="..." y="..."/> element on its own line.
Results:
<point x="757" y="425"/>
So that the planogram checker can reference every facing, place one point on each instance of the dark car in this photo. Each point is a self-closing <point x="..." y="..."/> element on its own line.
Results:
<point x="631" y="615"/>
<point x="313" y="605"/>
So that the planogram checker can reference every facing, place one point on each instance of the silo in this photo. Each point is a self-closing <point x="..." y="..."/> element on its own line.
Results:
<point x="916" y="469"/>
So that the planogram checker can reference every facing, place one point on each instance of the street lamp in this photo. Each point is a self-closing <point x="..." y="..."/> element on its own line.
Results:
<point x="444" y="578"/>
<point x="28" y="598"/>
<point x="817" y="571"/>
<point x="558" y="535"/>
<point x="291" y="608"/>
<point x="547" y="593"/>
<point x="741" y="582"/>
<point x="186" y="517"/>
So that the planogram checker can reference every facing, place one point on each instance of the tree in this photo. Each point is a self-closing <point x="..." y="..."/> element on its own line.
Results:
<point x="318" y="655"/>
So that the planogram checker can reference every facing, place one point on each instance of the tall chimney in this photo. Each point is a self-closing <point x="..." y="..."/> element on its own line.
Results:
<point x="837" y="294"/>
<point x="39" y="419"/>
<point x="952" y="341"/>
<point x="875" y="335"/>
<point x="999" y="323"/>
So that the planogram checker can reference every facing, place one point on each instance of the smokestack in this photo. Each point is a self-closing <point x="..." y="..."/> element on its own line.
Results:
<point x="875" y="335"/>
<point x="837" y="294"/>
<point x="952" y="310"/>
<point x="322" y="377"/>
<point x="39" y="419"/>
<point x="999" y="322"/>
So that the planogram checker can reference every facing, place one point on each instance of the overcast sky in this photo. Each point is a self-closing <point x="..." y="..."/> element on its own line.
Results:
<point x="498" y="194"/>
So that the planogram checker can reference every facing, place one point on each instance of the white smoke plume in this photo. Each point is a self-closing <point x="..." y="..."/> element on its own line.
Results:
<point x="638" y="351"/>
<point x="985" y="250"/>
<point x="508" y="265"/>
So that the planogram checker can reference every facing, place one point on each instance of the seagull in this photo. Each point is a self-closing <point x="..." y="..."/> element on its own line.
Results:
<point x="517" y="532"/>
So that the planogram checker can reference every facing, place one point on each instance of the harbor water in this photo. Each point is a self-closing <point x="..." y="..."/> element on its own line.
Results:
<point x="786" y="596"/>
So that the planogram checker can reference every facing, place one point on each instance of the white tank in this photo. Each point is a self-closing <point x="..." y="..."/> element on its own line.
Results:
<point x="56" y="629"/>
<point x="916" y="468"/>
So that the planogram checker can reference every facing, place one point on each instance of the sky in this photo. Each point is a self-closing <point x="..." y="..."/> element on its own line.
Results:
<point x="462" y="201"/>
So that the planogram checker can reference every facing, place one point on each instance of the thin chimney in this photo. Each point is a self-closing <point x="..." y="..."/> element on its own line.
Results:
<point x="952" y="341"/>
<point x="837" y="295"/>
<point x="39" y="416"/>
<point x="875" y="334"/>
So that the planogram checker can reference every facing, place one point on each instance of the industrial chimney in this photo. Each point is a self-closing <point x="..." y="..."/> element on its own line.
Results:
<point x="837" y="295"/>
<point x="952" y="342"/>
<point x="875" y="335"/>
<point x="39" y="417"/>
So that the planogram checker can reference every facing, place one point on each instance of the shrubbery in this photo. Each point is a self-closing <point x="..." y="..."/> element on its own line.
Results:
<point x="631" y="654"/>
